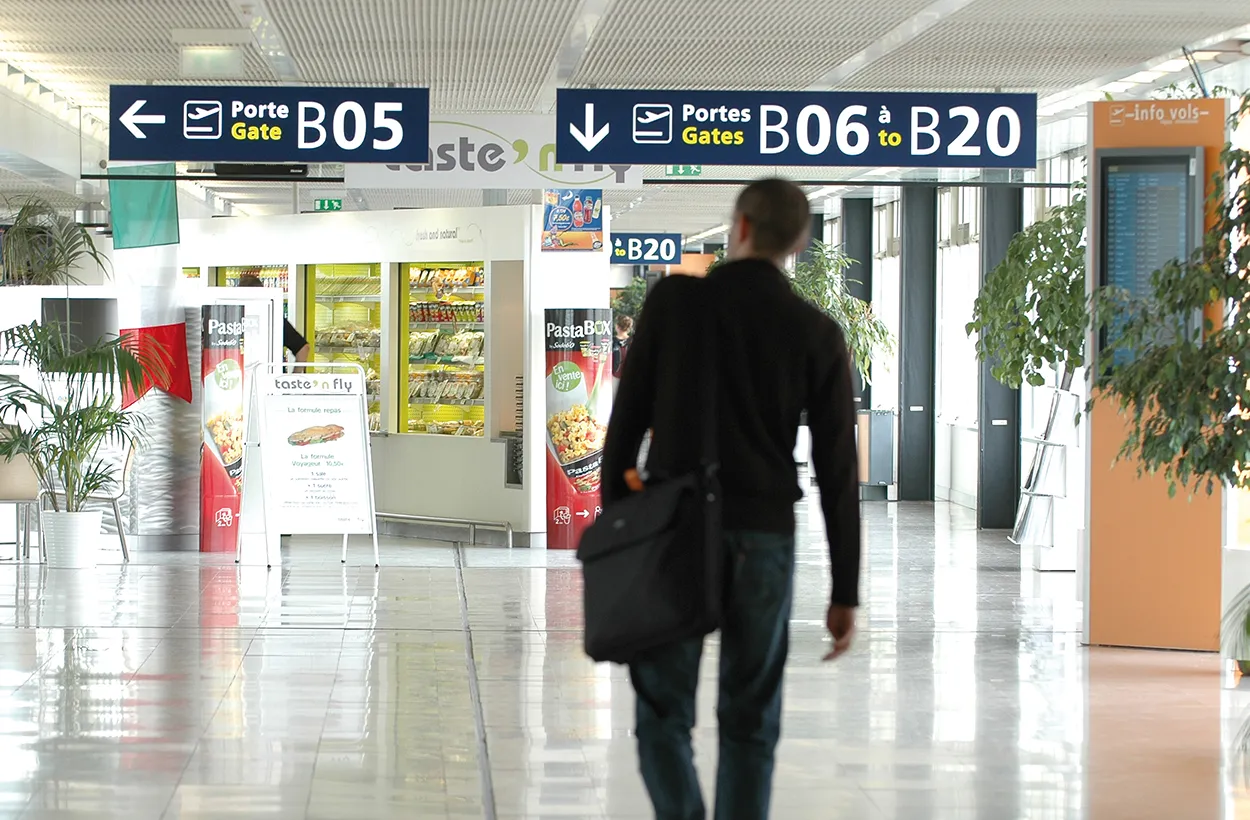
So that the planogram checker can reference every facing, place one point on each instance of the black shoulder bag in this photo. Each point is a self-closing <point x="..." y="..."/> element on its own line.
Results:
<point x="653" y="564"/>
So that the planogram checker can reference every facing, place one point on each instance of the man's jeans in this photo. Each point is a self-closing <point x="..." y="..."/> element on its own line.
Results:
<point x="754" y="642"/>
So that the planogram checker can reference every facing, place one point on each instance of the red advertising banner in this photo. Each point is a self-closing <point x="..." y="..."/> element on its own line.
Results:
<point x="578" y="386"/>
<point x="221" y="457"/>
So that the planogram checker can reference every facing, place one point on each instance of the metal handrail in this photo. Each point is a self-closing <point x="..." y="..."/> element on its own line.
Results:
<point x="471" y="523"/>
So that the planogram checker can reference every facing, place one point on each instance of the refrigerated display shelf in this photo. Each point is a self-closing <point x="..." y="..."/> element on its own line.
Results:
<point x="443" y="325"/>
<point x="373" y="350"/>
<point x="448" y="290"/>
<point x="449" y="402"/>
<point x="340" y="297"/>
<point x="446" y="360"/>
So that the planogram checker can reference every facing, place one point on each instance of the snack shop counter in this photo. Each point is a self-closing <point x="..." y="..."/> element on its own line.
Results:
<point x="444" y="310"/>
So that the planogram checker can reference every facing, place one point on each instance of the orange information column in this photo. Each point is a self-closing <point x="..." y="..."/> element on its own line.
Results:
<point x="1153" y="562"/>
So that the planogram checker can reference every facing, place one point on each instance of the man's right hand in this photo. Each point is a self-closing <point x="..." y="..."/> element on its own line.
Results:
<point x="841" y="623"/>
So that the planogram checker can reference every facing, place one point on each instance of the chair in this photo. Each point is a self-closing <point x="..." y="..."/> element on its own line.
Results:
<point x="113" y="498"/>
<point x="19" y="486"/>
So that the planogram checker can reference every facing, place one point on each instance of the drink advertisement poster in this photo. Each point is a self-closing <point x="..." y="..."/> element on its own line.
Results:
<point x="573" y="219"/>
<point x="578" y="390"/>
<point x="221" y="457"/>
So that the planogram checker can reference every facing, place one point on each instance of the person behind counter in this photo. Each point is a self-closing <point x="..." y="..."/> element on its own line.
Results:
<point x="620" y="343"/>
<point x="292" y="340"/>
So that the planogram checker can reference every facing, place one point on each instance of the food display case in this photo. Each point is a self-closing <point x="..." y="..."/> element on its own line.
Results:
<point x="443" y="327"/>
<point x="343" y="306"/>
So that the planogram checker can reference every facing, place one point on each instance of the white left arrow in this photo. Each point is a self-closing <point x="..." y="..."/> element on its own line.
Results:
<point x="132" y="119"/>
<point x="589" y="138"/>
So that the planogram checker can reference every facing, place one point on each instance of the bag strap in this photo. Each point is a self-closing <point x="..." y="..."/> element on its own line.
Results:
<point x="709" y="383"/>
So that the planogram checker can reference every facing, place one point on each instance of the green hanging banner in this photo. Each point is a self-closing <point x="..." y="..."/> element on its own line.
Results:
<point x="145" y="212"/>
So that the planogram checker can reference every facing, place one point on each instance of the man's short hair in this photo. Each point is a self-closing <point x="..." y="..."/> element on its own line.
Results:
<point x="778" y="213"/>
<point x="250" y="280"/>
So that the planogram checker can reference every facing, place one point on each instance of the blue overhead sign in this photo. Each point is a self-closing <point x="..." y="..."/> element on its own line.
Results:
<point x="646" y="249"/>
<point x="852" y="128"/>
<point x="268" y="124"/>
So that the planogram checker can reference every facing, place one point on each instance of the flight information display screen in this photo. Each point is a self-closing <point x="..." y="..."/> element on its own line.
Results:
<point x="1147" y="219"/>
<point x="1149" y="215"/>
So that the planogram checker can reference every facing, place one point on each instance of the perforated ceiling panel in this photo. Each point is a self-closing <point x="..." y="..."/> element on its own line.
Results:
<point x="732" y="43"/>
<point x="475" y="55"/>
<point x="79" y="48"/>
<point x="1047" y="46"/>
<point x="14" y="188"/>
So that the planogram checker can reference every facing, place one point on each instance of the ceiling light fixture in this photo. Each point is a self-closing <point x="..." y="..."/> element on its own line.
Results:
<point x="1173" y="66"/>
<point x="212" y="62"/>
<point x="828" y="190"/>
<point x="1118" y="87"/>
<point x="719" y="229"/>
<point x="1143" y="77"/>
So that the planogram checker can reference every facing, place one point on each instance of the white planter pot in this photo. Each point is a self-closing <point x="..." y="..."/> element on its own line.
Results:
<point x="71" y="539"/>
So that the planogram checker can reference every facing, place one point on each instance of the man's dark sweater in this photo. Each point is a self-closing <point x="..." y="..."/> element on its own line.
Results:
<point x="775" y="356"/>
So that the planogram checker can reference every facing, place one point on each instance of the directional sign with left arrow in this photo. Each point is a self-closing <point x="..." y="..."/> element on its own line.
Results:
<point x="162" y="123"/>
<point x="132" y="119"/>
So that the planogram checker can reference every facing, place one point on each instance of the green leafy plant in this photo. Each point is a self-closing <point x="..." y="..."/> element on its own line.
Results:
<point x="628" y="300"/>
<point x="1032" y="314"/>
<point x="66" y="409"/>
<point x="42" y="246"/>
<point x="1181" y="379"/>
<point x="820" y="278"/>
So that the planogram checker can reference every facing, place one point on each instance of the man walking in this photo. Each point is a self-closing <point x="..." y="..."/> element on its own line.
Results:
<point x="776" y="356"/>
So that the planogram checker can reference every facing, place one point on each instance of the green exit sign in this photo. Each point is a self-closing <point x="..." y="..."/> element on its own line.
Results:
<point x="327" y="204"/>
<point x="683" y="170"/>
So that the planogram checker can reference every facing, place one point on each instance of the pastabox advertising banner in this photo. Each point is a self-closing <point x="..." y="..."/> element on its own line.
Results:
<point x="268" y="124"/>
<point x="492" y="151"/>
<point x="572" y="219"/>
<point x="221" y="458"/>
<point x="830" y="128"/>
<point x="578" y="392"/>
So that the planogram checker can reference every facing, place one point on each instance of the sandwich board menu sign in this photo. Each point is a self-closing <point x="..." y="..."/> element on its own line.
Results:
<point x="314" y="468"/>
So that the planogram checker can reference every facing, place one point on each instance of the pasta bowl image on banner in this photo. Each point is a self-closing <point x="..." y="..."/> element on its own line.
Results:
<point x="574" y="434"/>
<point x="223" y="411"/>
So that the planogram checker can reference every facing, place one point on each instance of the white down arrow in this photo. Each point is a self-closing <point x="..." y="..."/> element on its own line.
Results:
<point x="589" y="138"/>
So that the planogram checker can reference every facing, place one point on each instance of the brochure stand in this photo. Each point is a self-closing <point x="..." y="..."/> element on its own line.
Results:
<point x="307" y="463"/>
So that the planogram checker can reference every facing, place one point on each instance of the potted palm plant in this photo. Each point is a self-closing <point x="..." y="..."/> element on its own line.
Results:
<point x="42" y="246"/>
<point x="60" y="410"/>
<point x="60" y="397"/>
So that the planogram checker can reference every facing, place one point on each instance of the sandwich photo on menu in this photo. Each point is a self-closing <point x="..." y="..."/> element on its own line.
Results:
<point x="315" y="435"/>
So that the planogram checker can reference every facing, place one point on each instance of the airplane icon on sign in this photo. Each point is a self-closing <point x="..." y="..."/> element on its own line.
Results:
<point x="201" y="119"/>
<point x="653" y="123"/>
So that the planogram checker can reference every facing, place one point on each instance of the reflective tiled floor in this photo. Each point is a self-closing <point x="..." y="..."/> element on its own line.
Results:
<point x="185" y="687"/>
